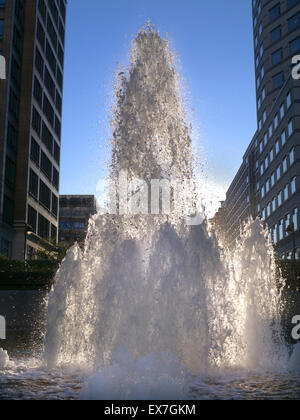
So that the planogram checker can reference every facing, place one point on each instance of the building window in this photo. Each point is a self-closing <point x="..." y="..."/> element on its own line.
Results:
<point x="55" y="178"/>
<point x="51" y="32"/>
<point x="1" y="28"/>
<point x="294" y="22"/>
<point x="12" y="137"/>
<point x="16" y="72"/>
<point x="283" y="138"/>
<point x="44" y="227"/>
<point x="10" y="173"/>
<point x="38" y="91"/>
<point x="288" y="100"/>
<point x="282" y="111"/>
<point x="276" y="121"/>
<point x="276" y="57"/>
<point x="14" y="104"/>
<point x="275" y="234"/>
<point x="79" y="225"/>
<point x="47" y="138"/>
<point x="274" y="204"/>
<point x="40" y="33"/>
<point x="8" y="210"/>
<point x="270" y="131"/>
<point x="286" y="192"/>
<point x="264" y="116"/>
<point x="267" y="186"/>
<point x="54" y="205"/>
<point x="276" y="34"/>
<point x="281" y="229"/>
<point x="51" y="57"/>
<point x="277" y="147"/>
<point x="287" y="224"/>
<point x="61" y="31"/>
<point x="261" y="50"/>
<point x="295" y="219"/>
<point x="17" y="41"/>
<point x="33" y="184"/>
<point x="56" y="153"/>
<point x="278" y="80"/>
<point x="58" y="103"/>
<point x="273" y="179"/>
<point x="36" y="121"/>
<point x="46" y="166"/>
<point x="291" y="3"/>
<point x="32" y="219"/>
<point x="57" y="127"/>
<point x="293" y="185"/>
<point x="290" y="128"/>
<point x="39" y="63"/>
<point x="45" y="195"/>
<point x="279" y="199"/>
<point x="262" y="169"/>
<point x="48" y="110"/>
<point x="278" y="172"/>
<point x="65" y="225"/>
<point x="43" y="9"/>
<point x="292" y="156"/>
<point x="267" y="162"/>
<point x="59" y="78"/>
<point x="263" y="94"/>
<point x="49" y="83"/>
<point x="272" y="155"/>
<point x="259" y="125"/>
<point x="295" y="46"/>
<point x="284" y="165"/>
<point x="262" y="192"/>
<point x="274" y="13"/>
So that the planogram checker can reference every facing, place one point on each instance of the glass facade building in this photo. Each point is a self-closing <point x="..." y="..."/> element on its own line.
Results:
<point x="32" y="39"/>
<point x="267" y="184"/>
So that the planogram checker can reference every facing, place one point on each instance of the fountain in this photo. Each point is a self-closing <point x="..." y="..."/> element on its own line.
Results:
<point x="154" y="306"/>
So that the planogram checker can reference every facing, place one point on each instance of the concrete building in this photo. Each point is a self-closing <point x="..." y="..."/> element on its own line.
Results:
<point x="32" y="36"/>
<point x="267" y="184"/>
<point x="74" y="214"/>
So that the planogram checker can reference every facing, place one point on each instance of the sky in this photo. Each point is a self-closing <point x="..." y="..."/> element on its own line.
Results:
<point x="215" y="46"/>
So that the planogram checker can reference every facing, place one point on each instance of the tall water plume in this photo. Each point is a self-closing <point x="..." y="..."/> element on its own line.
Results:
<point x="151" y="283"/>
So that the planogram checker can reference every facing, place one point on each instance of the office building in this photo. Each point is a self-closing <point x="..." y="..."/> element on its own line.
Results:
<point x="74" y="215"/>
<point x="32" y="38"/>
<point x="267" y="184"/>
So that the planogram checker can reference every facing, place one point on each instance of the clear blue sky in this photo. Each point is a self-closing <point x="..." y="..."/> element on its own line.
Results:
<point x="214" y="41"/>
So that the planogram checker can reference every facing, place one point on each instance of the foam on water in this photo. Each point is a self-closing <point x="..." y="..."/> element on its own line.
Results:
<point x="152" y="284"/>
<point x="152" y="377"/>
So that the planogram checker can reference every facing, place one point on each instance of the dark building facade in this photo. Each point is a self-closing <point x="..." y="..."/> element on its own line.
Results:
<point x="74" y="215"/>
<point x="267" y="184"/>
<point x="32" y="37"/>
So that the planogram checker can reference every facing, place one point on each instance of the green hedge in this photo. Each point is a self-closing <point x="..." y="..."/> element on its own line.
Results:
<point x="45" y="262"/>
<point x="30" y="266"/>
